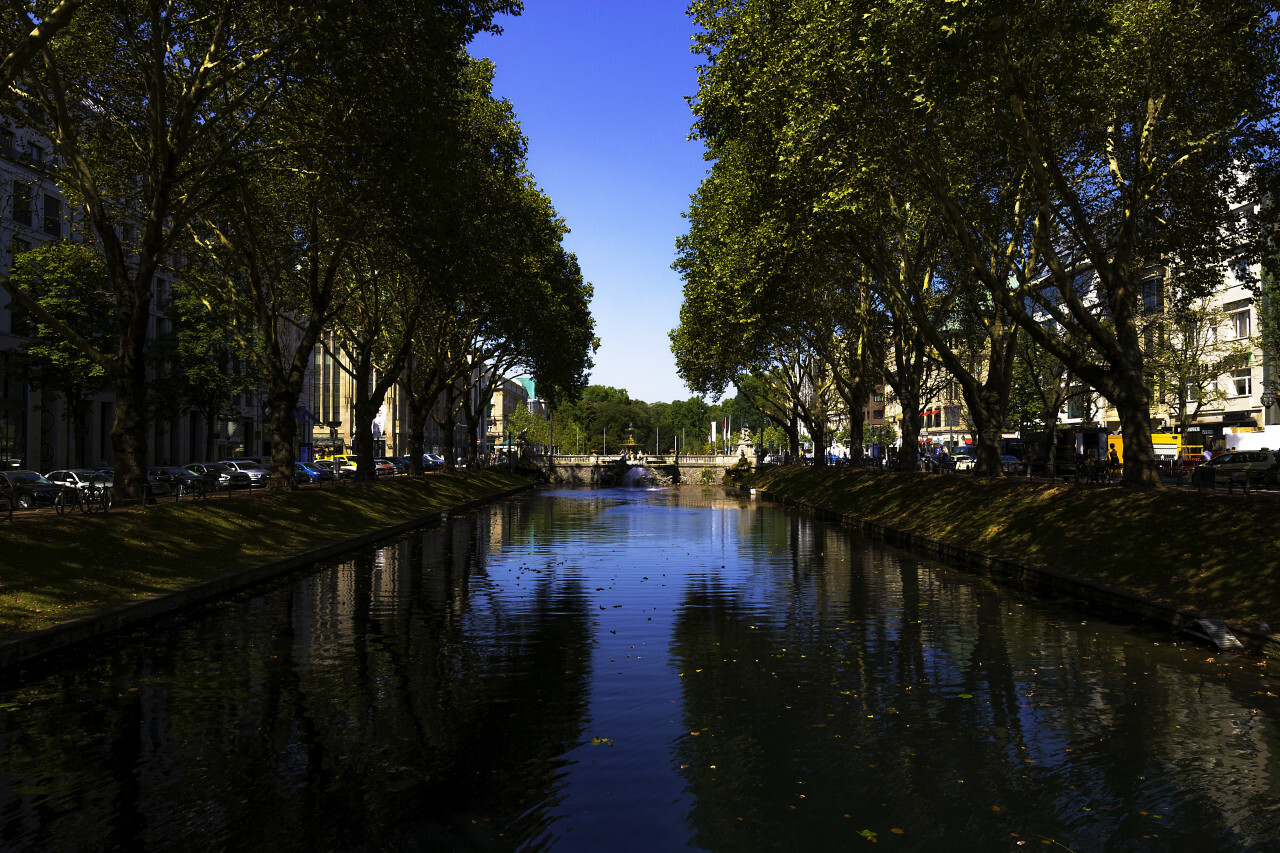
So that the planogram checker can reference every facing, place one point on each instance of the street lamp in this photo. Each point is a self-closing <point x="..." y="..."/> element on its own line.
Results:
<point x="1270" y="392"/>
<point x="1270" y="396"/>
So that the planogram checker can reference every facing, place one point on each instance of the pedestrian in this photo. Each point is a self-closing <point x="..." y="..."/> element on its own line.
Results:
<point x="1207" y="456"/>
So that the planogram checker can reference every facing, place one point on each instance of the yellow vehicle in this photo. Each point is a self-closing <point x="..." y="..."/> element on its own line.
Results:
<point x="1172" y="453"/>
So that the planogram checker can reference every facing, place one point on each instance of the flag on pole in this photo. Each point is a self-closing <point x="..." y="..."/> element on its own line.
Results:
<point x="711" y="437"/>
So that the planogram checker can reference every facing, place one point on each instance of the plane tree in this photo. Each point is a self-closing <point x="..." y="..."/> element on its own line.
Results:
<point x="1129" y="122"/>
<point x="149" y="108"/>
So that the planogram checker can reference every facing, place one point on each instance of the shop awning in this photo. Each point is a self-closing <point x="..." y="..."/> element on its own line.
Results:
<point x="303" y="414"/>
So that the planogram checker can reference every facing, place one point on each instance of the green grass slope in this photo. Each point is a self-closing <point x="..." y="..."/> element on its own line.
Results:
<point x="54" y="568"/>
<point x="1214" y="552"/>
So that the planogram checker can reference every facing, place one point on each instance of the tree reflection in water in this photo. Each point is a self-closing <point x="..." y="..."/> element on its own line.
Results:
<point x="638" y="670"/>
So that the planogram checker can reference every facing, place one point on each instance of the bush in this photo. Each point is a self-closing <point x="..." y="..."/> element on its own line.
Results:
<point x="736" y="474"/>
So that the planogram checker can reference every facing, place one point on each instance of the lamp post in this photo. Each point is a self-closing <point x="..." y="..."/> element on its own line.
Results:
<point x="1270" y="397"/>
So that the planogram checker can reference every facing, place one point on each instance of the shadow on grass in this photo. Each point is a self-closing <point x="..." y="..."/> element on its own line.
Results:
<point x="60" y="567"/>
<point x="1216" y="553"/>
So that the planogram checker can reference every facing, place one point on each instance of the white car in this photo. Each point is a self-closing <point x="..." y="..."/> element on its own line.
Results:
<point x="258" y="475"/>
<point x="80" y="478"/>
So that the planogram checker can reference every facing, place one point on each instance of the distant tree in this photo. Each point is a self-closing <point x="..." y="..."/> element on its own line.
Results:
<point x="71" y="284"/>
<point x="199" y="367"/>
<point x="1187" y="350"/>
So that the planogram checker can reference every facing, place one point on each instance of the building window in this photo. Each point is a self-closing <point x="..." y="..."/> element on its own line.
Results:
<point x="6" y="142"/>
<point x="1240" y="327"/>
<point x="1153" y="294"/>
<point x="52" y="216"/>
<point x="1240" y="268"/>
<point x="37" y="154"/>
<point x="1242" y="382"/>
<point x="21" y="211"/>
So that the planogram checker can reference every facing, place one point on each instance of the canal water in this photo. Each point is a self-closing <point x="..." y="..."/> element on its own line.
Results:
<point x="640" y="670"/>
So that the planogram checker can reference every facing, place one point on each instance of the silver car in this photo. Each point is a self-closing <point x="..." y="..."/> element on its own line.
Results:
<point x="258" y="475"/>
<point x="1257" y="467"/>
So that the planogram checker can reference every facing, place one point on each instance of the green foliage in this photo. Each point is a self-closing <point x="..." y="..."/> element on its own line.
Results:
<point x="972" y="161"/>
<point x="71" y="282"/>
<point x="197" y="363"/>
<point x="738" y="472"/>
<point x="885" y="434"/>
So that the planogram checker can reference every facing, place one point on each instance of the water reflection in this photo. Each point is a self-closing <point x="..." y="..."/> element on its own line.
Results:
<point x="639" y="670"/>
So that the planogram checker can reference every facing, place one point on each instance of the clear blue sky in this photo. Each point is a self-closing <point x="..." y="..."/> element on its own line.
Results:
<point x="598" y="87"/>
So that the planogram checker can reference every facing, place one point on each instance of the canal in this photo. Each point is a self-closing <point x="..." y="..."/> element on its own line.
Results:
<point x="639" y="670"/>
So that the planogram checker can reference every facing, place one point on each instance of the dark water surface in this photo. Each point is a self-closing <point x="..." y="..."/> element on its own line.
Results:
<point x="629" y="670"/>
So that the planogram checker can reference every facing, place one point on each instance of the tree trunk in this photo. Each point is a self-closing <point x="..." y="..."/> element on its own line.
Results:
<point x="282" y="402"/>
<point x="364" y="411"/>
<point x="473" y="436"/>
<point x="988" y="421"/>
<point x="909" y="452"/>
<point x="418" y="414"/>
<point x="129" y="429"/>
<point x="857" y="404"/>
<point x="450" y="427"/>
<point x="1133" y="403"/>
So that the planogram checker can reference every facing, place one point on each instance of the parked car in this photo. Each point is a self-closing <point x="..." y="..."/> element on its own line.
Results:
<point x="223" y="475"/>
<point x="160" y="483"/>
<point x="258" y="475"/>
<point x="432" y="461"/>
<point x="27" y="489"/>
<point x="80" y="478"/>
<point x="335" y="468"/>
<point x="181" y="481"/>
<point x="1258" y="467"/>
<point x="383" y="465"/>
<point x="1011" y="465"/>
<point x="305" y="472"/>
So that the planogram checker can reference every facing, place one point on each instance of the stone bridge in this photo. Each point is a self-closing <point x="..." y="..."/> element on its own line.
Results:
<point x="595" y="470"/>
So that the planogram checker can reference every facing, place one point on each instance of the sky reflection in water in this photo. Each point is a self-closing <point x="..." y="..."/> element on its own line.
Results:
<point x="640" y="670"/>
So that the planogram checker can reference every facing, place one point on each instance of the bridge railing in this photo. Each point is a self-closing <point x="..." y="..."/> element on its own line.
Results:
<point x="648" y="459"/>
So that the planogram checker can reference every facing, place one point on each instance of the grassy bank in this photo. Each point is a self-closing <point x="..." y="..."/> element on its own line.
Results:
<point x="1217" y="553"/>
<point x="54" y="568"/>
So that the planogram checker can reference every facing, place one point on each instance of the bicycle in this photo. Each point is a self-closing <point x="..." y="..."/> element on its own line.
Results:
<point x="69" y="496"/>
<point x="96" y="497"/>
